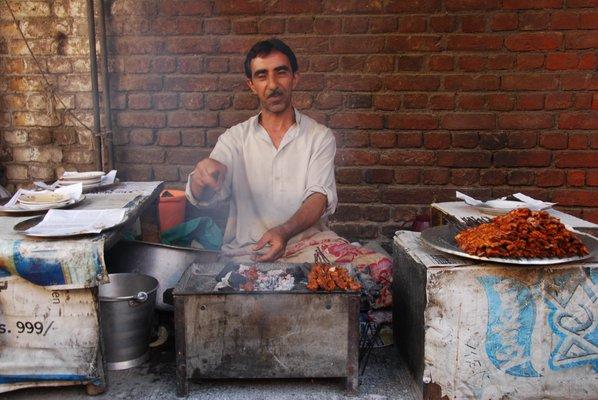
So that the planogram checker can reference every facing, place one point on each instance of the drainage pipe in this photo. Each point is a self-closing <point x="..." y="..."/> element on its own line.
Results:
<point x="108" y="159"/>
<point x="95" y="95"/>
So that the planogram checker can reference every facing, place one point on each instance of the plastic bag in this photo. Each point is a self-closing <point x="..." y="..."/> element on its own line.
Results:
<point x="202" y="230"/>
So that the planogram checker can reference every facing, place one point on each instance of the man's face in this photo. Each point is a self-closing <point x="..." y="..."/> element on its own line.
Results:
<point x="273" y="81"/>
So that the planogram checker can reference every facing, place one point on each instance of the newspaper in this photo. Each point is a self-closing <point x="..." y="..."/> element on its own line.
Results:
<point x="428" y="256"/>
<point x="76" y="222"/>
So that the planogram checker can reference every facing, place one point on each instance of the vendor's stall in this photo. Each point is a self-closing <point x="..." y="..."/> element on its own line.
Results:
<point x="49" y="322"/>
<point x="475" y="329"/>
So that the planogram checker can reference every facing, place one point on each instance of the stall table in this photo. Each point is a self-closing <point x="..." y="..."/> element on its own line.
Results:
<point x="49" y="320"/>
<point x="470" y="329"/>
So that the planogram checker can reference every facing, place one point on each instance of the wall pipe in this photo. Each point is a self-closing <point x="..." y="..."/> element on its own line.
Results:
<point x="95" y="95"/>
<point x="108" y="158"/>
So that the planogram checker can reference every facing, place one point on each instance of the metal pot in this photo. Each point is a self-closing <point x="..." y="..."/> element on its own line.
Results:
<point x="165" y="263"/>
<point x="126" y="310"/>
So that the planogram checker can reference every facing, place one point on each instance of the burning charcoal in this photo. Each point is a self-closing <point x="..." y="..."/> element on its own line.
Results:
<point x="236" y="280"/>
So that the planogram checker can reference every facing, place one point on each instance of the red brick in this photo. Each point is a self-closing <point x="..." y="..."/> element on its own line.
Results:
<point x="411" y="82"/>
<point x="553" y="140"/>
<point x="379" y="63"/>
<point x="416" y="101"/>
<point x="437" y="140"/>
<point x="302" y="100"/>
<point x="464" y="177"/>
<point x="466" y="140"/>
<point x="588" y="61"/>
<point x="184" y="7"/>
<point x="379" y="175"/>
<point x="493" y="140"/>
<point x="386" y="24"/>
<point x="583" y="101"/>
<point x="570" y="197"/>
<point x="176" y="26"/>
<point x="140" y="101"/>
<point x="410" y="63"/>
<point x="581" y="40"/>
<point x="588" y="20"/>
<point x="357" y="195"/>
<point x="468" y="5"/>
<point x="564" y="20"/>
<point x="441" y="63"/>
<point x="412" y="6"/>
<point x="595" y="101"/>
<point x="443" y="23"/>
<point x="474" y="42"/>
<point x="558" y="101"/>
<point x="409" y="139"/>
<point x="294" y="7"/>
<point x="592" y="178"/>
<point x="139" y="82"/>
<point x="500" y="102"/>
<point x="231" y="44"/>
<point x="576" y="178"/>
<point x="530" y="101"/>
<point x="190" y="83"/>
<point x="358" y="100"/>
<point x="169" y="137"/>
<point x="522" y="139"/>
<point x="471" y="102"/>
<point x="328" y="100"/>
<point x="407" y="176"/>
<point x="193" y="137"/>
<point x="471" y="82"/>
<point x="407" y="157"/>
<point x="435" y="176"/>
<point x="582" y="3"/>
<point x="356" y="120"/>
<point x="383" y="140"/>
<point x="345" y="212"/>
<point x="217" y="26"/>
<point x="245" y="101"/>
<point x="349" y="175"/>
<point x="578" y="141"/>
<point x="457" y="121"/>
<point x="550" y="178"/>
<point x="190" y="45"/>
<point x="576" y="159"/>
<point x="472" y="63"/>
<point x="238" y="7"/>
<point x="527" y="5"/>
<point x="387" y="101"/>
<point x="185" y="156"/>
<point x="412" y="121"/>
<point x="416" y="195"/>
<point x="190" y="64"/>
<point x="192" y="119"/>
<point x="350" y="157"/>
<point x="300" y="25"/>
<point x="534" y="21"/>
<point x="530" y="61"/>
<point x="578" y="121"/>
<point x="504" y="22"/>
<point x="271" y="26"/>
<point x="356" y="44"/>
<point x="579" y="81"/>
<point x="218" y="102"/>
<point x="442" y="102"/>
<point x="520" y="178"/>
<point x="412" y="23"/>
<point x="534" y="41"/>
<point x="560" y="61"/>
<point x="492" y="177"/>
<point x="141" y="119"/>
<point x="353" y="63"/>
<point x="356" y="83"/>
<point x="245" y="26"/>
<point x="533" y="158"/>
<point x="464" y="159"/>
<point x="311" y="82"/>
<point x="525" y="121"/>
<point x="529" y="82"/>
<point x="413" y="43"/>
<point x="140" y="155"/>
<point x="473" y="23"/>
<point x="355" y="25"/>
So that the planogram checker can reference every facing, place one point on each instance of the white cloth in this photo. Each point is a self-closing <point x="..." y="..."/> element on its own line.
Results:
<point x="265" y="185"/>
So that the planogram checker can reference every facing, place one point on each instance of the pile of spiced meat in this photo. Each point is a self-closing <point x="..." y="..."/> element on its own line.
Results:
<point x="521" y="234"/>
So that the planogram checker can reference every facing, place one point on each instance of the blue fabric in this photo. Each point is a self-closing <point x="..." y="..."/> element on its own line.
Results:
<point x="203" y="230"/>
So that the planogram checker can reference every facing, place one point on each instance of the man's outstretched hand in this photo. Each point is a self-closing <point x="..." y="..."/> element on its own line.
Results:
<point x="208" y="173"/>
<point x="277" y="238"/>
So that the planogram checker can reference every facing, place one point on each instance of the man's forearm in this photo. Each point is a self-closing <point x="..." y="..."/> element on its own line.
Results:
<point x="308" y="214"/>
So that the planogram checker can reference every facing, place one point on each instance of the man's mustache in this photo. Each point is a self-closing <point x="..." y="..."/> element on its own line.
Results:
<point x="275" y="92"/>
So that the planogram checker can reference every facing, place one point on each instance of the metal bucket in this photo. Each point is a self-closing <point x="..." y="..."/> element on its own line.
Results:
<point x="126" y="308"/>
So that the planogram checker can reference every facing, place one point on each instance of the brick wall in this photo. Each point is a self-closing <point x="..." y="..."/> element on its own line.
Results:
<point x="38" y="140"/>
<point x="489" y="97"/>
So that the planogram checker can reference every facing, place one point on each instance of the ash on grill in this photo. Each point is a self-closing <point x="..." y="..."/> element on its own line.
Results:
<point x="247" y="278"/>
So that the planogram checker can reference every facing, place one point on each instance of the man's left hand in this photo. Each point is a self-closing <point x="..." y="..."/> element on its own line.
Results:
<point x="277" y="238"/>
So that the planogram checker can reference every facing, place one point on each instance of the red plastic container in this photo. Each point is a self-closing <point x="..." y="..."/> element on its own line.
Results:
<point x="171" y="209"/>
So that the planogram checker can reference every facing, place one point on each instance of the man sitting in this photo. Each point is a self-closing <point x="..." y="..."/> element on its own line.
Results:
<point x="277" y="170"/>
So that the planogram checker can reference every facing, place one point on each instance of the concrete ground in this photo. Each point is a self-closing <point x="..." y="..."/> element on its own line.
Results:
<point x="385" y="378"/>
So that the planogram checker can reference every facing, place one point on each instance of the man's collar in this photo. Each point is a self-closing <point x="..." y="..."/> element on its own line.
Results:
<point x="289" y="135"/>
<point x="298" y="115"/>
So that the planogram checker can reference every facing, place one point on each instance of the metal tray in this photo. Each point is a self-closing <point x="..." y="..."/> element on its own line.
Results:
<point x="16" y="211"/>
<point x="443" y="238"/>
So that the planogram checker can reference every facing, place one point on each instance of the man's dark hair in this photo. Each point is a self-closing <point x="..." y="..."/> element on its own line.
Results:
<point x="266" y="47"/>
